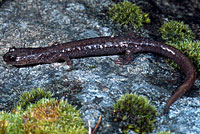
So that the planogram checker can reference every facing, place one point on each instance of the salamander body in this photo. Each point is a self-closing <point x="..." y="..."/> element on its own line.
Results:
<point x="104" y="46"/>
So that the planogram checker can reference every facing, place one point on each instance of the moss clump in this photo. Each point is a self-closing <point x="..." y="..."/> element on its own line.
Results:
<point x="32" y="96"/>
<point x="174" y="31"/>
<point x="178" y="35"/>
<point x="54" y="117"/>
<point x="47" y="116"/>
<point x="190" y="49"/>
<point x="165" y="132"/>
<point x="136" y="113"/>
<point x="11" y="123"/>
<point x="127" y="13"/>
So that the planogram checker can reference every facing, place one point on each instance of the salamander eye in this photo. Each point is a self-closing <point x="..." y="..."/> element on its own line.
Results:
<point x="12" y="57"/>
<point x="12" y="49"/>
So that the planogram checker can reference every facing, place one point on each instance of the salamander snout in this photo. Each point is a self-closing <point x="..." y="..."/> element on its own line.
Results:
<point x="9" y="57"/>
<point x="22" y="56"/>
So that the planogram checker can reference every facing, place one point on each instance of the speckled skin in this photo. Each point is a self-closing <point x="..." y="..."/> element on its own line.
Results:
<point x="103" y="46"/>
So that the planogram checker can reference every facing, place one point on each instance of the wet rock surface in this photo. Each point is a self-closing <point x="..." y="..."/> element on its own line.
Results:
<point x="93" y="84"/>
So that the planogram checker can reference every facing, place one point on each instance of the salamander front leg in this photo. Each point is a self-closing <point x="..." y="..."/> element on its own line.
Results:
<point x="126" y="59"/>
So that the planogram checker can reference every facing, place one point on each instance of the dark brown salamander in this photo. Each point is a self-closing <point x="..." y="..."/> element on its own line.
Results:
<point x="103" y="46"/>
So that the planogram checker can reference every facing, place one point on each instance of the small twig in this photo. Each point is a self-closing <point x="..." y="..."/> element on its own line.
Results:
<point x="89" y="127"/>
<point x="97" y="125"/>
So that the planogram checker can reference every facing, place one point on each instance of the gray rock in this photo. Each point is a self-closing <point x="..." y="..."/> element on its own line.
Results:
<point x="94" y="83"/>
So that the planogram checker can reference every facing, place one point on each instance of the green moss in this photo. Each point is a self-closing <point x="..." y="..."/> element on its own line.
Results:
<point x="127" y="13"/>
<point x="178" y="35"/>
<point x="174" y="31"/>
<point x="136" y="113"/>
<point x="32" y="96"/>
<point x="192" y="50"/>
<point x="165" y="132"/>
<point x="92" y="66"/>
<point x="11" y="123"/>
<point x="47" y="116"/>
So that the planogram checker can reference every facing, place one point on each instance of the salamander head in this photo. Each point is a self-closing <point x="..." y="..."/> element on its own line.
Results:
<point x="19" y="57"/>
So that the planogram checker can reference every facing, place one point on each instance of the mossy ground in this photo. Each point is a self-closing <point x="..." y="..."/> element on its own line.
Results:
<point x="192" y="50"/>
<point x="165" y="132"/>
<point x="50" y="116"/>
<point x="11" y="123"/>
<point x="178" y="35"/>
<point x="136" y="113"/>
<point x="30" y="97"/>
<point x="44" y="116"/>
<point x="175" y="31"/>
<point x="127" y="13"/>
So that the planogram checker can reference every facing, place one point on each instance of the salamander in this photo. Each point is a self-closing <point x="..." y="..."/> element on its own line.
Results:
<point x="101" y="46"/>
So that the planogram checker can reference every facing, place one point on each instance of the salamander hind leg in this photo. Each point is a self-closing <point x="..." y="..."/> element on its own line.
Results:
<point x="68" y="61"/>
<point x="126" y="59"/>
<point x="63" y="57"/>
